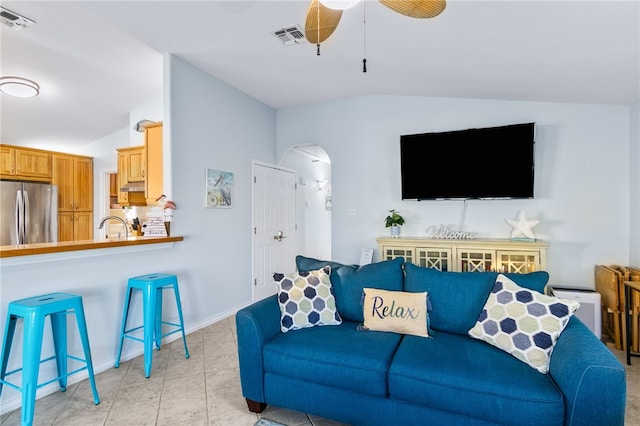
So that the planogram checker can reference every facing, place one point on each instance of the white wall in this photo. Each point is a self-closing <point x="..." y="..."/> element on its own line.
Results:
<point x="582" y="174"/>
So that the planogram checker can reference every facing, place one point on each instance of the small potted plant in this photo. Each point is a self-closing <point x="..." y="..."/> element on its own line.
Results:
<point x="394" y="221"/>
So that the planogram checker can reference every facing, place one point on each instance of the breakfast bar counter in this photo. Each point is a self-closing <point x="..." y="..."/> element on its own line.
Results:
<point x="97" y="270"/>
<point x="68" y="246"/>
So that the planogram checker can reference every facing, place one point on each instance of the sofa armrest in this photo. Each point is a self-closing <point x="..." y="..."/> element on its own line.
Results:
<point x="590" y="377"/>
<point x="255" y="324"/>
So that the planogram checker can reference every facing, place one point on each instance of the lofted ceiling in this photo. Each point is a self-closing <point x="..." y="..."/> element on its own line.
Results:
<point x="97" y="60"/>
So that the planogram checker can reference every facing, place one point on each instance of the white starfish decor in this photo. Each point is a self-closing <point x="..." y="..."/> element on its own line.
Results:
<point x="522" y="226"/>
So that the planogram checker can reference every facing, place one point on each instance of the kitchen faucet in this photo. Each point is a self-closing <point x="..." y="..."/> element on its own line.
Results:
<point x="126" y="226"/>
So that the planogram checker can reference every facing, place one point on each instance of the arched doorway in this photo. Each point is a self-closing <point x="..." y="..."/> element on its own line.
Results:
<point x="313" y="199"/>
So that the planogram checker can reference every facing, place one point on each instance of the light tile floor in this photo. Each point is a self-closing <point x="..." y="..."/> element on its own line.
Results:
<point x="203" y="390"/>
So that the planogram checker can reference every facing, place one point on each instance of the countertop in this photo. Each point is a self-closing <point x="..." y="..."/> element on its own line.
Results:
<point x="67" y="246"/>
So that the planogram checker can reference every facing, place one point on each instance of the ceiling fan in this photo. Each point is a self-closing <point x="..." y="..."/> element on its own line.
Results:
<point x="323" y="16"/>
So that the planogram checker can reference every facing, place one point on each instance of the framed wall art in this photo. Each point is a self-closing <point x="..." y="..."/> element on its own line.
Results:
<point x="218" y="189"/>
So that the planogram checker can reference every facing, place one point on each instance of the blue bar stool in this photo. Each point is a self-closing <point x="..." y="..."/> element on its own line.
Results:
<point x="33" y="312"/>
<point x="152" y="286"/>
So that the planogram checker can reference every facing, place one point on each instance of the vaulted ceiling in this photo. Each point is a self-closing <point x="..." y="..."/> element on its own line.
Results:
<point x="97" y="60"/>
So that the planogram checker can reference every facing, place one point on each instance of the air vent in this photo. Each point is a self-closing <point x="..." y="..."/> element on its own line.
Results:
<point x="14" y="20"/>
<point x="290" y="35"/>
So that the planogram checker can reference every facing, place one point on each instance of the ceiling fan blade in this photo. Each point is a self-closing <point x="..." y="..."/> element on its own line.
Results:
<point x="319" y="27"/>
<point x="416" y="8"/>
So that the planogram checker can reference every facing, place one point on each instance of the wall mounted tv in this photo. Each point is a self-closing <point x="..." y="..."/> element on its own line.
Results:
<point x="484" y="163"/>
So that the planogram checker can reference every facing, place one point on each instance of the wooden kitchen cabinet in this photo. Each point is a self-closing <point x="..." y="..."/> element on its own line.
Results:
<point x="19" y="163"/>
<point x="131" y="168"/>
<point x="75" y="226"/>
<point x="154" y="166"/>
<point x="473" y="255"/>
<point x="74" y="177"/>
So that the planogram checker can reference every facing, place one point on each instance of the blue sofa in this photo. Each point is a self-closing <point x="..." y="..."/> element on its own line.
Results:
<point x="382" y="378"/>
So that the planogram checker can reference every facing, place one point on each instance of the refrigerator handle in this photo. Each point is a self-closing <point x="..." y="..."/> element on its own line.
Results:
<point x="25" y="196"/>
<point x="19" y="217"/>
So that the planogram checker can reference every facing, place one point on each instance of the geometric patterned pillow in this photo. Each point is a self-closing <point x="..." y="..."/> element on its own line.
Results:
<point x="306" y="299"/>
<point x="523" y="322"/>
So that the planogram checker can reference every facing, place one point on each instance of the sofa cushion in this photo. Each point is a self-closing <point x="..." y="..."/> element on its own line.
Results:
<point x="395" y="311"/>
<point x="305" y="264"/>
<point x="458" y="374"/>
<point x="457" y="298"/>
<point x="523" y="322"/>
<point x="340" y="357"/>
<point x="349" y="281"/>
<point x="306" y="299"/>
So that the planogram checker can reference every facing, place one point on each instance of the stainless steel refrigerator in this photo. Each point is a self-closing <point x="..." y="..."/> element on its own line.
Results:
<point x="28" y="213"/>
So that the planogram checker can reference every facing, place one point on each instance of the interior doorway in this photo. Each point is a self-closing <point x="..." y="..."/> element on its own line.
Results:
<point x="313" y="199"/>
<point x="273" y="225"/>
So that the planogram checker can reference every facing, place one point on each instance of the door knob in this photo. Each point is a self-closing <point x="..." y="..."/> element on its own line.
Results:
<point x="279" y="236"/>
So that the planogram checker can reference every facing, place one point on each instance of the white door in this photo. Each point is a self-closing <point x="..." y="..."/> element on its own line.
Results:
<point x="274" y="226"/>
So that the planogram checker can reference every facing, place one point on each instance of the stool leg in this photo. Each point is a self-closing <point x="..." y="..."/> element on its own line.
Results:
<point x="148" y="308"/>
<point x="125" y="314"/>
<point x="32" y="347"/>
<point x="84" y="336"/>
<point x="158" y="318"/>
<point x="179" y="304"/>
<point x="59" y="331"/>
<point x="9" y="329"/>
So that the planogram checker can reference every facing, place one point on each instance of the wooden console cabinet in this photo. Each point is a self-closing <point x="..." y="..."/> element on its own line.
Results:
<point x="500" y="255"/>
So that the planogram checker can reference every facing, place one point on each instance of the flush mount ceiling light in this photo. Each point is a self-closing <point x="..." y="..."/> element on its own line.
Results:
<point x="19" y="87"/>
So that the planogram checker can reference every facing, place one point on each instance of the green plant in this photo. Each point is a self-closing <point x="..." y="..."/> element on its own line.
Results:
<point x="393" y="219"/>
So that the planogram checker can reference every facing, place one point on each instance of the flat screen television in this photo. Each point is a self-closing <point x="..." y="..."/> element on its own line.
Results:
<point x="484" y="163"/>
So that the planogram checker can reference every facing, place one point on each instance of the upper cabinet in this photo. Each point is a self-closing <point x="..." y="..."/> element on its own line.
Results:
<point x="153" y="148"/>
<point x="140" y="169"/>
<point x="134" y="164"/>
<point x="131" y="168"/>
<point x="19" y="163"/>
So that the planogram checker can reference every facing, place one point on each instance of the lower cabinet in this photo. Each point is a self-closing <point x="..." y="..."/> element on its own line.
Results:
<point x="75" y="226"/>
<point x="500" y="255"/>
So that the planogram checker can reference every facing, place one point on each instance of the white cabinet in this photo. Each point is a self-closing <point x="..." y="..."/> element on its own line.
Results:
<point x="500" y="255"/>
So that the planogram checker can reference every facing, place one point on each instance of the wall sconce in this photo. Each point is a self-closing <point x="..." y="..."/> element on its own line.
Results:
<point x="321" y="183"/>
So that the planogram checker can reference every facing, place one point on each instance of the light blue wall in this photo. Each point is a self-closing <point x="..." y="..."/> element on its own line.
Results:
<point x="634" y="185"/>
<point x="213" y="125"/>
<point x="582" y="174"/>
